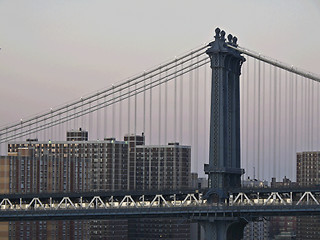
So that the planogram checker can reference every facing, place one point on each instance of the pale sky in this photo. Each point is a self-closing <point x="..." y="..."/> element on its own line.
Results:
<point x="53" y="52"/>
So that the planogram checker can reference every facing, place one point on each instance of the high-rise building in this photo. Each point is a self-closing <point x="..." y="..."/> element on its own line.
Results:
<point x="158" y="167"/>
<point x="258" y="229"/>
<point x="308" y="174"/>
<point x="283" y="227"/>
<point x="80" y="165"/>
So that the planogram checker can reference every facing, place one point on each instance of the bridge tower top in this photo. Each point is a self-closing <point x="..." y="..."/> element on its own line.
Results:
<point x="224" y="171"/>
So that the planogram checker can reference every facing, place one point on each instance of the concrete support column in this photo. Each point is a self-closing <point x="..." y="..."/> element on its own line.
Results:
<point x="223" y="229"/>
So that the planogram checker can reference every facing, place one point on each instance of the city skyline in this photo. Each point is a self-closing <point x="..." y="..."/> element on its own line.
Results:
<point x="235" y="114"/>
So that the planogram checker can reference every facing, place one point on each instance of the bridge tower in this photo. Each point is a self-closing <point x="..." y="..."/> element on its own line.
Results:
<point x="224" y="171"/>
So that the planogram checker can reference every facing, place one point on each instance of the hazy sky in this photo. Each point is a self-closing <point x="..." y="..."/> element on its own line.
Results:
<point x="56" y="51"/>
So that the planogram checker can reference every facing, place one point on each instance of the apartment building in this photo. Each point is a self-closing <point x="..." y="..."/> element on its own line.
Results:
<point x="79" y="164"/>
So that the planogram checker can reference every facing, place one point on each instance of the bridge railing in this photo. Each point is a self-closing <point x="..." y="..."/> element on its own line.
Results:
<point x="196" y="199"/>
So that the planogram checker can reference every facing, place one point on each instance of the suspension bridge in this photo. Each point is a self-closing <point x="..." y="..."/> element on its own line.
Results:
<point x="194" y="99"/>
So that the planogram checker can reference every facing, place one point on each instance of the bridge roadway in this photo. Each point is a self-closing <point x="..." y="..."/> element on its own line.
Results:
<point x="191" y="204"/>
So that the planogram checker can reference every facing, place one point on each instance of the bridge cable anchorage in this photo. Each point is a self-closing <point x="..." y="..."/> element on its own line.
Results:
<point x="32" y="119"/>
<point x="276" y="63"/>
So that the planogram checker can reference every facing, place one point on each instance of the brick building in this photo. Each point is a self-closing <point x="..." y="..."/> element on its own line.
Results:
<point x="308" y="174"/>
<point x="80" y="165"/>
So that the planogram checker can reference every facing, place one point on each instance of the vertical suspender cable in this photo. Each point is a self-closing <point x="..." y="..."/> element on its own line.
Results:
<point x="318" y="117"/>
<point x="82" y="123"/>
<point x="129" y="110"/>
<point x="165" y="123"/>
<point x="135" y="110"/>
<point x="181" y="104"/>
<point x="159" y="140"/>
<point x="308" y="114"/>
<point x="159" y="135"/>
<point x="196" y="122"/>
<point x="291" y="125"/>
<point x="302" y="140"/>
<point x="105" y="121"/>
<point x="67" y="122"/>
<point x="129" y="145"/>
<point x="135" y="137"/>
<point x="270" y="123"/>
<point x="175" y="118"/>
<point x="286" y="124"/>
<point x="144" y="103"/>
<point x="60" y="127"/>
<point x="259" y="125"/>
<point x="275" y="123"/>
<point x="75" y="120"/>
<point x="205" y="113"/>
<point x="254" y="118"/>
<point x="98" y="137"/>
<point x="279" y="126"/>
<point x="263" y="116"/>
<point x="295" y="116"/>
<point x="311" y="114"/>
<point x="191" y="107"/>
<point x="89" y="117"/>
<point x="318" y="114"/>
<point x="113" y="114"/>
<point x="247" y="119"/>
<point x="165" y="108"/>
<point x="120" y="120"/>
<point x="144" y="130"/>
<point x="175" y="101"/>
<point x="150" y="112"/>
<point x="307" y="96"/>
<point x="306" y="119"/>
<point x="51" y="128"/>
<point x="36" y="132"/>
<point x="242" y="77"/>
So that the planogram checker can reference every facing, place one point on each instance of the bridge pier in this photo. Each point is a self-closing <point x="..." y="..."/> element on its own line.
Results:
<point x="223" y="229"/>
